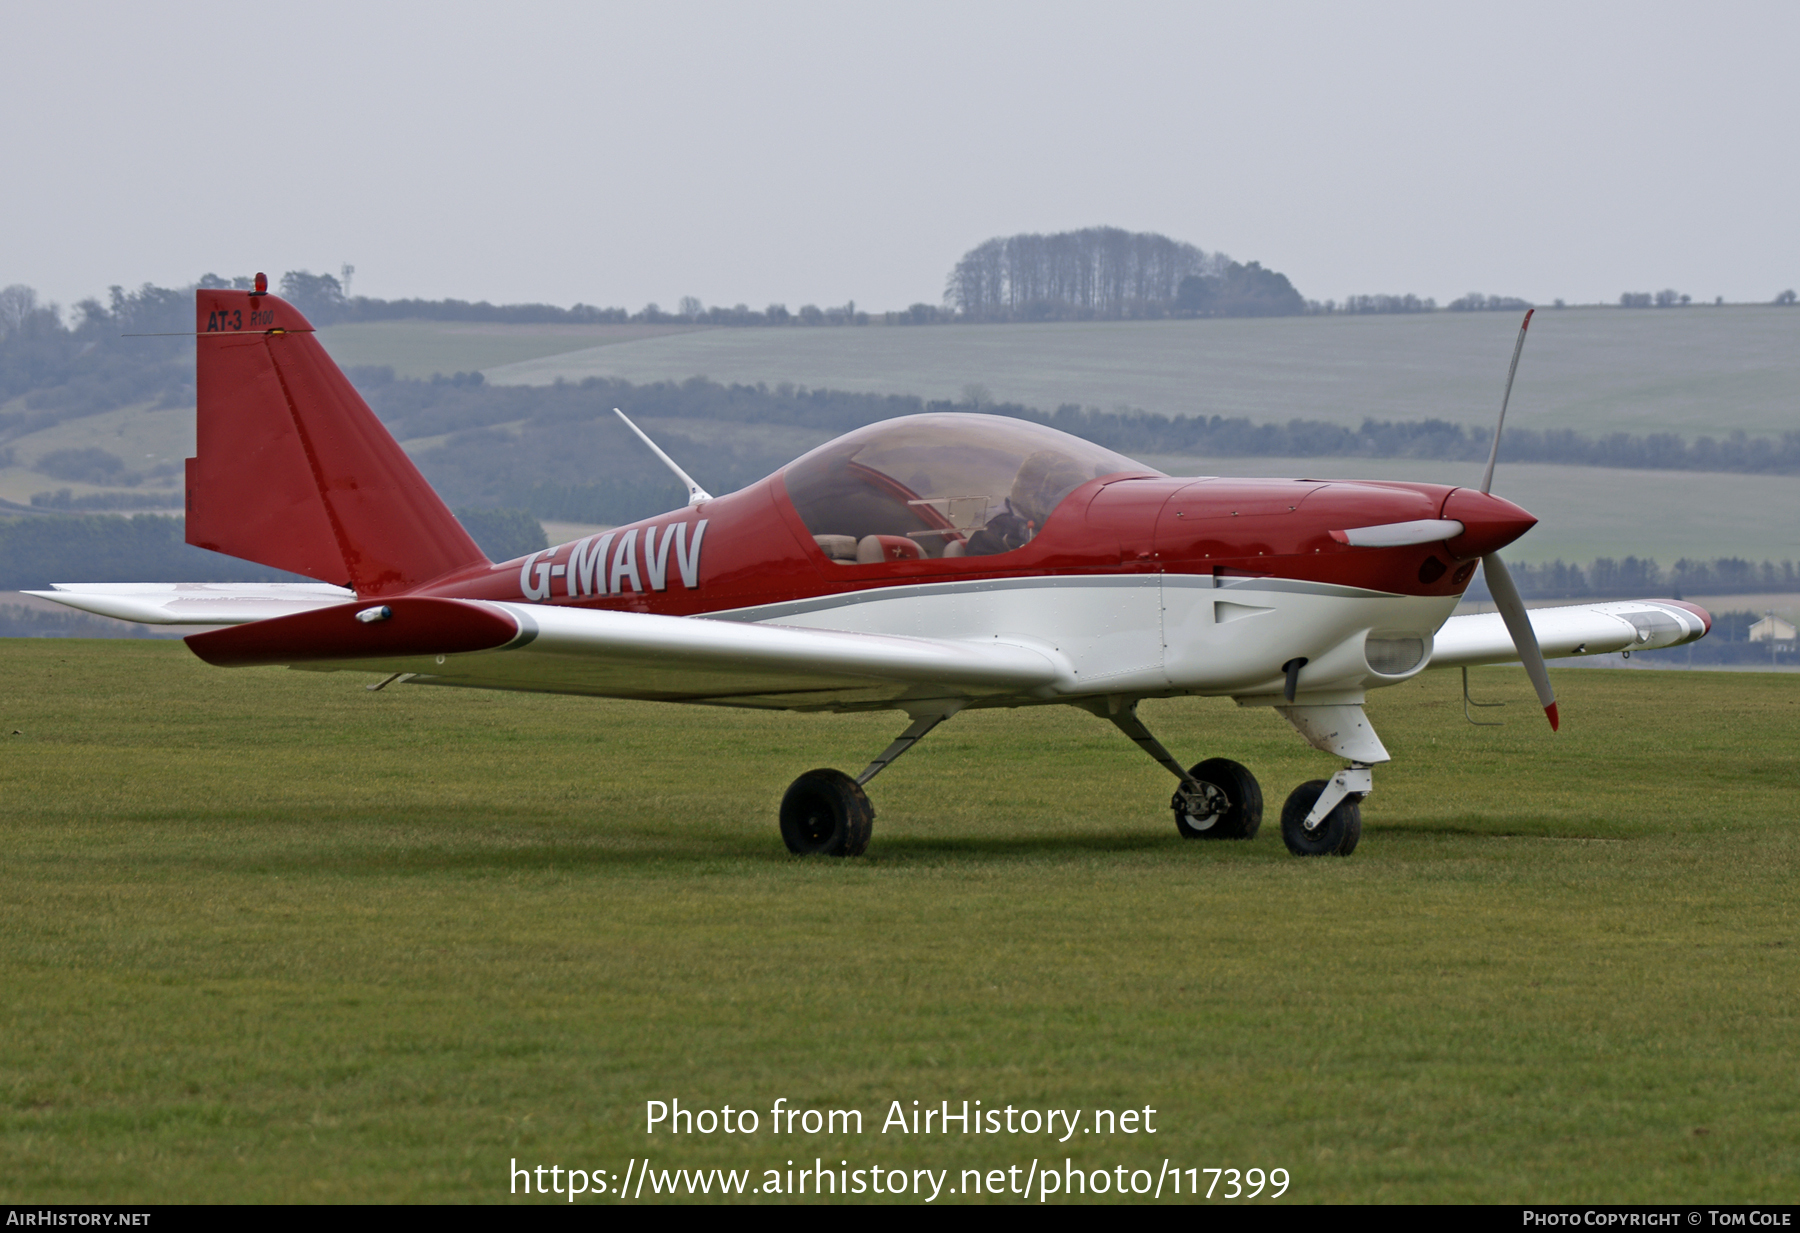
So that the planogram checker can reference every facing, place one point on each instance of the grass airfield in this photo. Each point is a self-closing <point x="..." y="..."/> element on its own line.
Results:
<point x="271" y="937"/>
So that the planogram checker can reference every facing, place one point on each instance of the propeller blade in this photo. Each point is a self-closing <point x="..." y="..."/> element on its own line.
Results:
<point x="1487" y="480"/>
<point x="1518" y="624"/>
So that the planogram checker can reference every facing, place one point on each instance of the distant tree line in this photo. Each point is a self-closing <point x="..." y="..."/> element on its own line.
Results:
<point x="91" y="365"/>
<point x="503" y="533"/>
<point x="1475" y="302"/>
<point x="1641" y="577"/>
<point x="558" y="451"/>
<point x="1096" y="274"/>
<point x="1380" y="304"/>
<point x="1671" y="298"/>
<point x="324" y="301"/>
<point x="134" y="347"/>
<point x="1238" y="291"/>
<point x="36" y="552"/>
<point x="67" y="499"/>
<point x="137" y="346"/>
<point x="52" y="372"/>
<point x="18" y="621"/>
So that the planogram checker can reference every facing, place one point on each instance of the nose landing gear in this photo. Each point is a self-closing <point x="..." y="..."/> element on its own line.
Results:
<point x="1323" y="817"/>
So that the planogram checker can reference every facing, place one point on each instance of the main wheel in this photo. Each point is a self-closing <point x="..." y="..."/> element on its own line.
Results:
<point x="1336" y="835"/>
<point x="826" y="812"/>
<point x="1225" y="802"/>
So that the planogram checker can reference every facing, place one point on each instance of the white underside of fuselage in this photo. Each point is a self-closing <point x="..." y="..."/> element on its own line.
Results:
<point x="1148" y="635"/>
<point x="995" y="643"/>
<point x="998" y="642"/>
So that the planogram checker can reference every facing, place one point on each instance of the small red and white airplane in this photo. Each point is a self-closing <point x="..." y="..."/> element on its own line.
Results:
<point x="927" y="564"/>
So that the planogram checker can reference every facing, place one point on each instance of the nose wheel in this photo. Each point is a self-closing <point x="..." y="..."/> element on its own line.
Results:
<point x="1323" y="817"/>
<point x="1219" y="799"/>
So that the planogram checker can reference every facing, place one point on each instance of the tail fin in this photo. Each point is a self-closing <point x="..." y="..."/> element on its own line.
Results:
<point x="293" y="470"/>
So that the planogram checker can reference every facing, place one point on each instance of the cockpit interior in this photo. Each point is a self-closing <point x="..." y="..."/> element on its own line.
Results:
<point x="943" y="485"/>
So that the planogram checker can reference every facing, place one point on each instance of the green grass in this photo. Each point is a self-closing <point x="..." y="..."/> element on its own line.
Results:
<point x="268" y="936"/>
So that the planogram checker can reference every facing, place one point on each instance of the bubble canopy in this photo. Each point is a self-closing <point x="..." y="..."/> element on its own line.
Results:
<point x="941" y="485"/>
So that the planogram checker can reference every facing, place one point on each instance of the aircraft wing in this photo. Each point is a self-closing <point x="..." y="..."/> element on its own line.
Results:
<point x="1577" y="629"/>
<point x="195" y="603"/>
<point x="637" y="655"/>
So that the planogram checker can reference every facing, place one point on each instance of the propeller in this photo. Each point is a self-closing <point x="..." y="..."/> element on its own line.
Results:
<point x="1500" y="583"/>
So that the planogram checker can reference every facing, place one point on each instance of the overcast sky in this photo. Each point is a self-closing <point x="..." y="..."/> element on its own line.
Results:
<point x="818" y="153"/>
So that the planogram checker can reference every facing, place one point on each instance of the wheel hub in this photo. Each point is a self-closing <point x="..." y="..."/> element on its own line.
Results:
<point x="817" y="825"/>
<point x="1203" y="804"/>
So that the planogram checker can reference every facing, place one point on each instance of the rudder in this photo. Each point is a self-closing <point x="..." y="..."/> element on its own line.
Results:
<point x="294" y="471"/>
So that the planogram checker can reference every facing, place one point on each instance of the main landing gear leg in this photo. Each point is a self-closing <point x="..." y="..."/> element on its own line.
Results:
<point x="923" y="721"/>
<point x="825" y="812"/>
<point x="1218" y="798"/>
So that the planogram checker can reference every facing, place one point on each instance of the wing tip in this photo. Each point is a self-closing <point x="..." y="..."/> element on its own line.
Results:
<point x="1555" y="719"/>
<point x="1706" y="621"/>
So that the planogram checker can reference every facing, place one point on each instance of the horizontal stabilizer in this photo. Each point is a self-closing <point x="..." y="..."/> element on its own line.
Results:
<point x="195" y="603"/>
<point x="1575" y="629"/>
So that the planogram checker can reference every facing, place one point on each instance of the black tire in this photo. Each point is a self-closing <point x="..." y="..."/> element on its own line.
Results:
<point x="825" y="813"/>
<point x="1229" y="804"/>
<point x="1335" y="836"/>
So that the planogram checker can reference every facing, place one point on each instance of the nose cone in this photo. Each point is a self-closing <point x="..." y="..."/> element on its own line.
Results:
<point x="1489" y="523"/>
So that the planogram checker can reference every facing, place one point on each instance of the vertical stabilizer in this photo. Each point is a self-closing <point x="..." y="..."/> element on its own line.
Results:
<point x="294" y="471"/>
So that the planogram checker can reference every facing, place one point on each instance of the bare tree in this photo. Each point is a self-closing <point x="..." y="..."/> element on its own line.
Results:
<point x="17" y="302"/>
